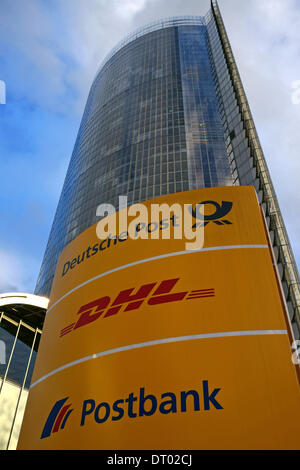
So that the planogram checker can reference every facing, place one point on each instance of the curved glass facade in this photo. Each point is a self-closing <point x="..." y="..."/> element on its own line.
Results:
<point x="21" y="321"/>
<point x="21" y="344"/>
<point x="151" y="126"/>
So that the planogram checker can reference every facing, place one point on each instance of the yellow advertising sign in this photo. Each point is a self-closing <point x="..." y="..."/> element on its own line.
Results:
<point x="147" y="345"/>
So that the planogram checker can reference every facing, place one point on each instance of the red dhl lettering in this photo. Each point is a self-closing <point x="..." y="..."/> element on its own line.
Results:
<point x="104" y="307"/>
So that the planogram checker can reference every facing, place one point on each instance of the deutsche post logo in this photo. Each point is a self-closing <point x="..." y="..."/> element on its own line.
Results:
<point x="219" y="213"/>
<point x="154" y="293"/>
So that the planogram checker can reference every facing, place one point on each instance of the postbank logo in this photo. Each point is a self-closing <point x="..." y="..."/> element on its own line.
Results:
<point x="57" y="418"/>
<point x="138" y="404"/>
<point x="154" y="293"/>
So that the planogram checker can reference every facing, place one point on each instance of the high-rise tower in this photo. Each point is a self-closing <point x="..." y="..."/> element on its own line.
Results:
<point x="167" y="112"/>
<point x="136" y="326"/>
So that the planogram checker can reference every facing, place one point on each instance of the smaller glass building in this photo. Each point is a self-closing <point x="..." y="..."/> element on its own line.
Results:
<point x="21" y="322"/>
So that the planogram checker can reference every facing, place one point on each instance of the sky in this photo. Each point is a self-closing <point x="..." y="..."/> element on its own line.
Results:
<point x="50" y="51"/>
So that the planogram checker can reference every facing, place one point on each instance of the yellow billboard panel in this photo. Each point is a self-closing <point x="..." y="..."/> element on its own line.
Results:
<point x="87" y="256"/>
<point x="151" y="346"/>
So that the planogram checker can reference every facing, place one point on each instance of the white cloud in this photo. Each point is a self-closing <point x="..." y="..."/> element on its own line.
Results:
<point x="128" y="8"/>
<point x="36" y="70"/>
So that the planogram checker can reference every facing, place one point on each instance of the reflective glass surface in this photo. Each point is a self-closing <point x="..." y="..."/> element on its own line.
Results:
<point x="20" y="345"/>
<point x="206" y="150"/>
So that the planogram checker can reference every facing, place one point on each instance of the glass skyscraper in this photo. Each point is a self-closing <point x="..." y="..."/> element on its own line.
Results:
<point x="166" y="113"/>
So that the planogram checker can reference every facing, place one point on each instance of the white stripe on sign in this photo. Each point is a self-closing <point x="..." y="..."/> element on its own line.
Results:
<point x="147" y="260"/>
<point x="156" y="342"/>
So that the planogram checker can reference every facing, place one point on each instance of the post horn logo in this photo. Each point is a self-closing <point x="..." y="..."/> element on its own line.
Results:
<point x="219" y="213"/>
<point x="57" y="418"/>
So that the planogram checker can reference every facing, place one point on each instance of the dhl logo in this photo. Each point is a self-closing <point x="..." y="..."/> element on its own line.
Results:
<point x="153" y="293"/>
